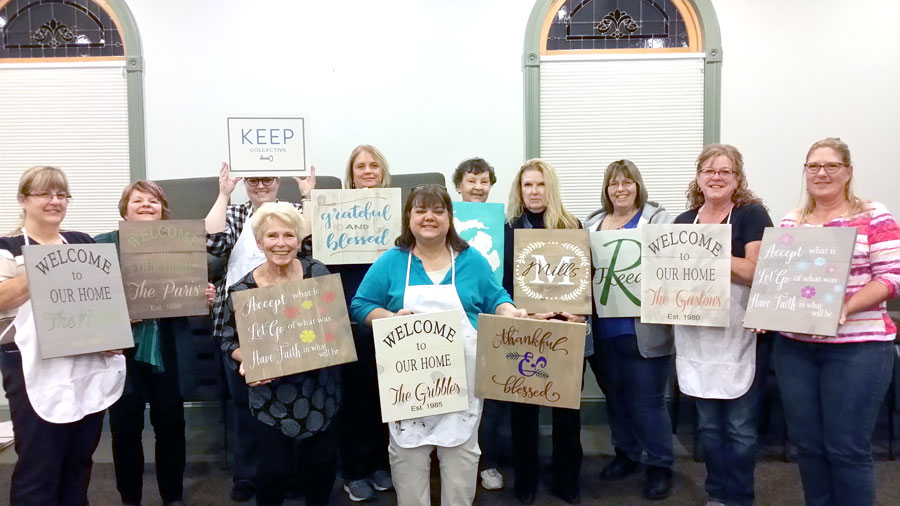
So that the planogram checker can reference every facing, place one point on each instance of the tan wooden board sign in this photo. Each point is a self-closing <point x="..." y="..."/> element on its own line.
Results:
<point x="530" y="361"/>
<point x="421" y="365"/>
<point x="552" y="270"/>
<point x="686" y="274"/>
<point x="77" y="298"/>
<point x="293" y="327"/>
<point x="164" y="267"/>
<point x="800" y="280"/>
<point x="354" y="226"/>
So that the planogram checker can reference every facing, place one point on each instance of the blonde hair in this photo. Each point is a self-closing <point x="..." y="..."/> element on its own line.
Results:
<point x="378" y="156"/>
<point x="741" y="195"/>
<point x="41" y="178"/>
<point x="840" y="147"/>
<point x="283" y="211"/>
<point x="555" y="215"/>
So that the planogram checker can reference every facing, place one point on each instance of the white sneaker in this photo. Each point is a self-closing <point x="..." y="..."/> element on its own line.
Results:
<point x="714" y="503"/>
<point x="491" y="479"/>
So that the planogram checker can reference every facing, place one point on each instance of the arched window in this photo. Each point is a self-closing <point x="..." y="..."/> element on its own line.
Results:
<point x="70" y="96"/>
<point x="613" y="79"/>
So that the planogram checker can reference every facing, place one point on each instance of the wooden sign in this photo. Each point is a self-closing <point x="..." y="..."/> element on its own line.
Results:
<point x="800" y="280"/>
<point x="164" y="268"/>
<point x="354" y="226"/>
<point x="481" y="225"/>
<point x="552" y="270"/>
<point x="617" y="272"/>
<point x="686" y="274"/>
<point x="267" y="146"/>
<point x="421" y="365"/>
<point x="77" y="299"/>
<point x="530" y="361"/>
<point x="293" y="327"/>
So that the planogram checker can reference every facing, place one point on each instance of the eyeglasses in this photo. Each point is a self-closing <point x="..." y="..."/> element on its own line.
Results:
<point x="723" y="173"/>
<point x="830" y="167"/>
<point x="625" y="184"/>
<point x="255" y="181"/>
<point x="60" y="196"/>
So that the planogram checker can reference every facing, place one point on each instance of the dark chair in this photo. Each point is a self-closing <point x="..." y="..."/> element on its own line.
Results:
<point x="407" y="182"/>
<point x="289" y="192"/>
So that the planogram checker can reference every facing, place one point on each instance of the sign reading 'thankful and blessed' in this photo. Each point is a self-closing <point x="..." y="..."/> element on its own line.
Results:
<point x="530" y="361"/>
<point x="421" y="365"/>
<point x="686" y="275"/>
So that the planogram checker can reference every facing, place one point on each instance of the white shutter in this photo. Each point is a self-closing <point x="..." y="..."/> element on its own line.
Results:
<point x="595" y="110"/>
<point x="73" y="116"/>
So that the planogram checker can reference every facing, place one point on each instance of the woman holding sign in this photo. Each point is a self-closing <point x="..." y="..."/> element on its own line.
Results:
<point x="364" y="438"/>
<point x="231" y="236"/>
<point x="299" y="408"/>
<point x="56" y="404"/>
<point x="433" y="269"/>
<point x="535" y="202"/>
<point x="633" y="361"/>
<point x="718" y="365"/>
<point x="160" y="370"/>
<point x="833" y="387"/>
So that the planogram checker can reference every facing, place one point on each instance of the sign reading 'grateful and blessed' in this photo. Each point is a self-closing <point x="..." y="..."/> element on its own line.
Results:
<point x="164" y="267"/>
<point x="354" y="226"/>
<point x="530" y="361"/>
<point x="800" y="280"/>
<point x="293" y="327"/>
<point x="552" y="270"/>
<point x="77" y="298"/>
<point x="421" y="365"/>
<point x="686" y="276"/>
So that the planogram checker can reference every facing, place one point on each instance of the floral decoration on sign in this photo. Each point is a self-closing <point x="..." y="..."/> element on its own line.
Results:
<point x="820" y="261"/>
<point x="307" y="304"/>
<point x="786" y="239"/>
<point x="808" y="292"/>
<point x="307" y="336"/>
<point x="328" y="297"/>
<point x="291" y="312"/>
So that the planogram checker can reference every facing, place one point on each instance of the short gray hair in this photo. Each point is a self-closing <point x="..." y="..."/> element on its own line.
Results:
<point x="283" y="211"/>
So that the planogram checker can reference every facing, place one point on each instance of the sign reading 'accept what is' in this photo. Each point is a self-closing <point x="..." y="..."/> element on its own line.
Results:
<point x="293" y="327"/>
<point x="79" y="305"/>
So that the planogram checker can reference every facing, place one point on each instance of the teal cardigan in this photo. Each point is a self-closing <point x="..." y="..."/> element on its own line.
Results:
<point x="385" y="284"/>
<point x="180" y="335"/>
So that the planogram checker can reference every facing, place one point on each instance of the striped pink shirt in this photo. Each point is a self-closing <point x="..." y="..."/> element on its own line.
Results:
<point x="876" y="257"/>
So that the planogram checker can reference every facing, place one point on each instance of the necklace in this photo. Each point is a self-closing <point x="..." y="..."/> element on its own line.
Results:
<point x="613" y="224"/>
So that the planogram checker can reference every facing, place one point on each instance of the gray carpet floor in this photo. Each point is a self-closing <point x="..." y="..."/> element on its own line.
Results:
<point x="777" y="484"/>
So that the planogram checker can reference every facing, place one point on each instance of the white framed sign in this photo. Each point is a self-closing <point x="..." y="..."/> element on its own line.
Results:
<point x="421" y="365"/>
<point x="267" y="146"/>
<point x="686" y="274"/>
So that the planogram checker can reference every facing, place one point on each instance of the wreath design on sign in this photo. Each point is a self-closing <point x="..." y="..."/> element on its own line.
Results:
<point x="581" y="259"/>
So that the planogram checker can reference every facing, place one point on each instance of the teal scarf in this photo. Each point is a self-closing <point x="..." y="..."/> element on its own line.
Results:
<point x="147" y="344"/>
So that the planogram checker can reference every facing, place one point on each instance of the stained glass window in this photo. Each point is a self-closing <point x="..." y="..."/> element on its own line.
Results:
<point x="617" y="24"/>
<point x="57" y="29"/>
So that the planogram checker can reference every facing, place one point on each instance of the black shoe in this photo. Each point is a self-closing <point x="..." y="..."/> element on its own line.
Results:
<point x="657" y="483"/>
<point x="620" y="467"/>
<point x="242" y="491"/>
<point x="568" y="494"/>
<point x="525" y="496"/>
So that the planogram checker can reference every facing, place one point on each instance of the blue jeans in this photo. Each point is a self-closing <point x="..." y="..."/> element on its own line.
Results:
<point x="635" y="389"/>
<point x="832" y="394"/>
<point x="728" y="435"/>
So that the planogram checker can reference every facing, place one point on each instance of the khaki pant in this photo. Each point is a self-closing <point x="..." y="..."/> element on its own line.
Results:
<point x="411" y="473"/>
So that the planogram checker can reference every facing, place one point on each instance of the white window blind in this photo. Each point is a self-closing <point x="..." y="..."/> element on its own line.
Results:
<point x="598" y="110"/>
<point x="73" y="116"/>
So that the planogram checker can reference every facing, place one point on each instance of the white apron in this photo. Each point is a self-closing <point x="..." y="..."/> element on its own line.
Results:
<point x="66" y="389"/>
<point x="717" y="362"/>
<point x="244" y="257"/>
<point x="450" y="429"/>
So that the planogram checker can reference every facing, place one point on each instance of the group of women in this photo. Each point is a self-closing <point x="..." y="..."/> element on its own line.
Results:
<point x="296" y="434"/>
